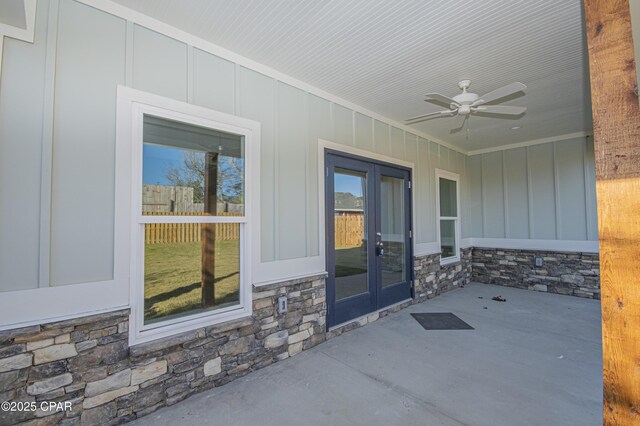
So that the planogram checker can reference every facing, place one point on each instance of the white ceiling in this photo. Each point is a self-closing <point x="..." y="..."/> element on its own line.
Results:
<point x="385" y="55"/>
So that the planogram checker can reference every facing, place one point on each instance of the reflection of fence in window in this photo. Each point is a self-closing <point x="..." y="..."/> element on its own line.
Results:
<point x="166" y="198"/>
<point x="161" y="233"/>
<point x="349" y="230"/>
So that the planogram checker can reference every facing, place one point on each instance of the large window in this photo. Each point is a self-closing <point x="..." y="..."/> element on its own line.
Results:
<point x="194" y="175"/>
<point x="448" y="216"/>
<point x="189" y="231"/>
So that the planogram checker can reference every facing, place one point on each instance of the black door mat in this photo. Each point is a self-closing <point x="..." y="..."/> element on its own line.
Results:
<point x="441" y="321"/>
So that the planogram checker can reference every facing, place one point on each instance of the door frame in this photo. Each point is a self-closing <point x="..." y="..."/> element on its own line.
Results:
<point x="325" y="145"/>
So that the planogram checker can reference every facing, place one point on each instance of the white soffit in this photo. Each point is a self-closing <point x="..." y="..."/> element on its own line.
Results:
<point x="385" y="55"/>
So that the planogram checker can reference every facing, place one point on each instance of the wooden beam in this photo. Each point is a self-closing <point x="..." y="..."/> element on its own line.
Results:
<point x="616" y="121"/>
<point x="208" y="240"/>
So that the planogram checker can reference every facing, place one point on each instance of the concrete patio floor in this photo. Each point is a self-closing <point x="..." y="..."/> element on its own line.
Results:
<point x="533" y="360"/>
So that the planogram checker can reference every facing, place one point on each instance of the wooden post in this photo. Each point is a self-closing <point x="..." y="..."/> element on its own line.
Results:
<point x="616" y="123"/>
<point x="208" y="237"/>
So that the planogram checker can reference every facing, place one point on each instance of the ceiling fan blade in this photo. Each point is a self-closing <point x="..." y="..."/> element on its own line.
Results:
<point x="440" y="98"/>
<point x="501" y="109"/>
<point x="500" y="93"/>
<point x="461" y="127"/>
<point x="420" y="118"/>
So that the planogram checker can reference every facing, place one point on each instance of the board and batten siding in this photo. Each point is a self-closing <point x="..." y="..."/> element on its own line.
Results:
<point x="89" y="62"/>
<point x="57" y="147"/>
<point x="22" y="108"/>
<point x="538" y="192"/>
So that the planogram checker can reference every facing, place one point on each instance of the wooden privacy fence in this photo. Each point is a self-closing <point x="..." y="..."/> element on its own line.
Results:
<point x="160" y="233"/>
<point x="349" y="230"/>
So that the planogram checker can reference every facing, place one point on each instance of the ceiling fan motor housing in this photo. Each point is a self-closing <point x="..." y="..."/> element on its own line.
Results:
<point x="465" y="98"/>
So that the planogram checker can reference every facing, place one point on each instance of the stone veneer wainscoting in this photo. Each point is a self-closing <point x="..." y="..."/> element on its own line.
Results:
<point x="570" y="273"/>
<point x="432" y="279"/>
<point x="88" y="362"/>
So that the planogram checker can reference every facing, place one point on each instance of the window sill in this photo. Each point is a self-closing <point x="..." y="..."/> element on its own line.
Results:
<point x="451" y="261"/>
<point x="189" y="324"/>
<point x="159" y="343"/>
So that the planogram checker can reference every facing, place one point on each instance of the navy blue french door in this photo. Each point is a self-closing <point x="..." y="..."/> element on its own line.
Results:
<point x="368" y="223"/>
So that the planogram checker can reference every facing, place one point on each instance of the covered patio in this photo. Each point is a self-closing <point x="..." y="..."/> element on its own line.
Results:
<point x="534" y="359"/>
<point x="244" y="205"/>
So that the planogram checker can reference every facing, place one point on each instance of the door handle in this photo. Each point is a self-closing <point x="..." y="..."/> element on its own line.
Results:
<point x="379" y="248"/>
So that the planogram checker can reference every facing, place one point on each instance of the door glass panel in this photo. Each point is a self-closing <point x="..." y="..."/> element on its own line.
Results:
<point x="350" y="218"/>
<point x="448" y="199"/>
<point x="392" y="230"/>
<point x="447" y="238"/>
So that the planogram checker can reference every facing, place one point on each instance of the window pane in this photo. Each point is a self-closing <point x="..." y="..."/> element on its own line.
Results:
<point x="448" y="238"/>
<point x="448" y="199"/>
<point x="350" y="219"/>
<point x="191" y="170"/>
<point x="392" y="229"/>
<point x="190" y="268"/>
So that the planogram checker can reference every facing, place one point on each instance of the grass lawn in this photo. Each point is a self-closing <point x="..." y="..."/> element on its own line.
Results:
<point x="172" y="277"/>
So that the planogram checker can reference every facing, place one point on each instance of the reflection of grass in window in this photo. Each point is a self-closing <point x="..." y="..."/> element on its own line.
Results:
<point x="447" y="251"/>
<point x="351" y="261"/>
<point x="172" y="277"/>
<point x="345" y="271"/>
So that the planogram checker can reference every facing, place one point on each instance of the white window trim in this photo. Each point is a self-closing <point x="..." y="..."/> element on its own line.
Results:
<point x="454" y="177"/>
<point x="132" y="105"/>
<point x="25" y="34"/>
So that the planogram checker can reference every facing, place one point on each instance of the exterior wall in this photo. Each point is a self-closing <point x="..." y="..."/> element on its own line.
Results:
<point x="535" y="201"/>
<point x="576" y="274"/>
<point x="88" y="363"/>
<point x="292" y="121"/>
<point x="58" y="131"/>
<point x="542" y="192"/>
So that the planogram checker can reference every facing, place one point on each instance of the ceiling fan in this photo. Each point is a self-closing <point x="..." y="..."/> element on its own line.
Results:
<point x="467" y="103"/>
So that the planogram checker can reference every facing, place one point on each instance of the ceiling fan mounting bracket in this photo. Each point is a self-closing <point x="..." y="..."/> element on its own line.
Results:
<point x="464" y="85"/>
